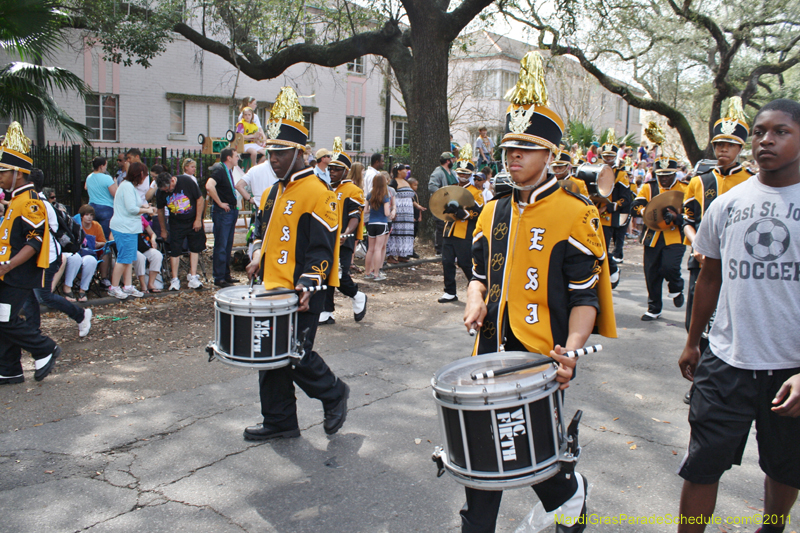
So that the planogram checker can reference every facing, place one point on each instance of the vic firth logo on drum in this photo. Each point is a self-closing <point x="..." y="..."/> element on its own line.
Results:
<point x="261" y="329"/>
<point x="510" y="425"/>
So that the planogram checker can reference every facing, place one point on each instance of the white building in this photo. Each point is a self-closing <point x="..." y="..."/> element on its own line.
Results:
<point x="187" y="92"/>
<point x="487" y="66"/>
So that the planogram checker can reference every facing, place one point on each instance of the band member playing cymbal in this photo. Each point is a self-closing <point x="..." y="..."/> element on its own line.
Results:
<point x="663" y="250"/>
<point x="351" y="220"/>
<point x="540" y="278"/>
<point x="457" y="242"/>
<point x="300" y="225"/>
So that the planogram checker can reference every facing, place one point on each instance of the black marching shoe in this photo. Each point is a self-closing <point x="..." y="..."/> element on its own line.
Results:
<point x="42" y="373"/>
<point x="231" y="280"/>
<point x="649" y="317"/>
<point x="221" y="283"/>
<point x="679" y="300"/>
<point x="334" y="419"/>
<point x="12" y="380"/>
<point x="260" y="432"/>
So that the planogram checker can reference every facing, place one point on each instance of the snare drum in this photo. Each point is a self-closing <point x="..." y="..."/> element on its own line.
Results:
<point x="254" y="330"/>
<point x="599" y="179"/>
<point x="502" y="432"/>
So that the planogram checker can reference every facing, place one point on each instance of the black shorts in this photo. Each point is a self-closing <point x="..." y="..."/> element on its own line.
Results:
<point x="178" y="231"/>
<point x="725" y="401"/>
<point x="376" y="229"/>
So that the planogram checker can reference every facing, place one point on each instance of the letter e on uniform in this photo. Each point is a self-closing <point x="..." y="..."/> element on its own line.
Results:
<point x="537" y="236"/>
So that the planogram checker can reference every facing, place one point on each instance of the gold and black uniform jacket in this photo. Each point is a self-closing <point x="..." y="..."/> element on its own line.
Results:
<point x="538" y="262"/>
<point x="581" y="185"/>
<point x="351" y="205"/>
<point x="621" y="199"/>
<point x="25" y="224"/>
<point x="463" y="229"/>
<point x="301" y="218"/>
<point x="651" y="237"/>
<point x="704" y="189"/>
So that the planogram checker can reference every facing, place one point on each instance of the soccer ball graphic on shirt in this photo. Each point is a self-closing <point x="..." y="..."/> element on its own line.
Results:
<point x="767" y="239"/>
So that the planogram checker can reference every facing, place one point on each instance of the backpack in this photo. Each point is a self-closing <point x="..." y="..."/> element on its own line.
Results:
<point x="69" y="234"/>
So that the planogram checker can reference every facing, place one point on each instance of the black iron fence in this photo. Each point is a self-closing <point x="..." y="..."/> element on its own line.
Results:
<point x="66" y="167"/>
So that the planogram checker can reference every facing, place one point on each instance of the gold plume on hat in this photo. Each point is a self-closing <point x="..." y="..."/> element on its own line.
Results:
<point x="578" y="153"/>
<point x="337" y="148"/>
<point x="654" y="133"/>
<point x="16" y="140"/>
<point x="611" y="138"/>
<point x="287" y="106"/>
<point x="465" y="154"/>
<point x="530" y="87"/>
<point x="628" y="162"/>
<point x="735" y="110"/>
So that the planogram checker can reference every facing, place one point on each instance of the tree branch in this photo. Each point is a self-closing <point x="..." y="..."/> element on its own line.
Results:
<point x="457" y="19"/>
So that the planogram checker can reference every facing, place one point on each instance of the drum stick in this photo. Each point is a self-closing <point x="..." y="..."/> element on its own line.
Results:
<point x="291" y="291"/>
<point x="347" y="235"/>
<point x="574" y="353"/>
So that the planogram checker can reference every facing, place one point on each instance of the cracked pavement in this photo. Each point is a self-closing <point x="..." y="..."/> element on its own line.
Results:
<point x="175" y="459"/>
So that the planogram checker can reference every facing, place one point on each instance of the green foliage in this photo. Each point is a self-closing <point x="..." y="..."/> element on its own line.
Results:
<point x="580" y="133"/>
<point x="400" y="154"/>
<point x="30" y="29"/>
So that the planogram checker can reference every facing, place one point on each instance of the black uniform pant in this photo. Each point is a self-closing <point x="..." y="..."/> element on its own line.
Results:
<point x="618" y="234"/>
<point x="479" y="514"/>
<point x="608" y="232"/>
<point x="276" y="387"/>
<point x="346" y="284"/>
<point x="454" y="249"/>
<point x="693" y="274"/>
<point x="19" y="334"/>
<point x="662" y="262"/>
<point x="438" y="236"/>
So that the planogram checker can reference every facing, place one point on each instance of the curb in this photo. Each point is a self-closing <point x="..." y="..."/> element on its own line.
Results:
<point x="107" y="300"/>
<point x="413" y="263"/>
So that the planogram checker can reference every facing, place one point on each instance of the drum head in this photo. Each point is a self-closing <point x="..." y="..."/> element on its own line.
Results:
<point x="599" y="179"/>
<point x="242" y="297"/>
<point x="454" y="380"/>
<point x="605" y="181"/>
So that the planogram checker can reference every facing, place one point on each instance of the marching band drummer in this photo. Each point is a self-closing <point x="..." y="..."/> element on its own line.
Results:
<point x="300" y="225"/>
<point x="562" y="169"/>
<point x="540" y="278"/>
<point x="614" y="216"/>
<point x="351" y="218"/>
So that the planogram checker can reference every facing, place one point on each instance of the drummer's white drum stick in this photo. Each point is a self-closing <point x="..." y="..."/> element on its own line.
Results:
<point x="291" y="291"/>
<point x="347" y="235"/>
<point x="574" y="353"/>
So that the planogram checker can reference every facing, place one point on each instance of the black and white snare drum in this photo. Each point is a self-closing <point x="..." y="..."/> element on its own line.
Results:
<point x="501" y="432"/>
<point x="254" y="329"/>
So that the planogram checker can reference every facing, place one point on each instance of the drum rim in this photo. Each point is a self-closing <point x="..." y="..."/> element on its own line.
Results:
<point x="511" y="398"/>
<point x="501" y="484"/>
<point x="256" y="363"/>
<point x="470" y="392"/>
<point x="222" y="296"/>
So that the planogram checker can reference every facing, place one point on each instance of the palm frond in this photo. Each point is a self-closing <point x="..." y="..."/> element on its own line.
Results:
<point x="49" y="78"/>
<point x="30" y="27"/>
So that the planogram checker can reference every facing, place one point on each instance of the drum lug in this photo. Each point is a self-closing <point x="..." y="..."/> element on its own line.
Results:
<point x="210" y="351"/>
<point x="573" y="451"/>
<point x="437" y="458"/>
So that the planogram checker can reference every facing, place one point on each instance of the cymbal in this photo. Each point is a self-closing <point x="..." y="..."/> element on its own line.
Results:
<point x="444" y="196"/>
<point x="569" y="185"/>
<point x="653" y="214"/>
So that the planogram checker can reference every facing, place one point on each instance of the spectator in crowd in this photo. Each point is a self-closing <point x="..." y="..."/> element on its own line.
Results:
<point x="418" y="209"/>
<point x="255" y="140"/>
<point x="356" y="175"/>
<point x="592" y="155"/>
<point x="224" y="214"/>
<point x="44" y="295"/>
<point x="127" y="225"/>
<point x="93" y="236"/>
<point x="252" y="103"/>
<point x="488" y="191"/>
<point x="455" y="148"/>
<point x="147" y="254"/>
<point x="189" y="168"/>
<point x="323" y="157"/>
<point x="134" y="155"/>
<point x="376" y="163"/>
<point x="101" y="189"/>
<point x="257" y="180"/>
<point x="122" y="168"/>
<point x="400" y="246"/>
<point x="308" y="153"/>
<point x="379" y="203"/>
<point x="186" y="206"/>
<point x="484" y="147"/>
<point x="442" y="176"/>
<point x="83" y="261"/>
<point x="155" y="170"/>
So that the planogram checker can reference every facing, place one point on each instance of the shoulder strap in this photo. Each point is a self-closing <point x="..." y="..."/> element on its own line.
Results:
<point x="709" y="181"/>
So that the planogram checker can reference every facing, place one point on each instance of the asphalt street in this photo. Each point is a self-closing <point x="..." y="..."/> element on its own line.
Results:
<point x="178" y="462"/>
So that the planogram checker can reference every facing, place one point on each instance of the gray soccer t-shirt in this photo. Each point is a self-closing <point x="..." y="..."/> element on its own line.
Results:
<point x="755" y="231"/>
